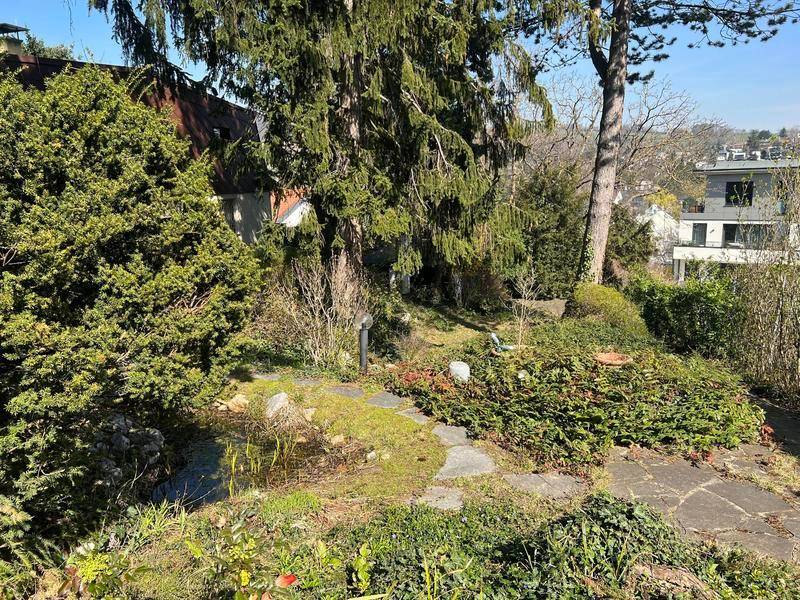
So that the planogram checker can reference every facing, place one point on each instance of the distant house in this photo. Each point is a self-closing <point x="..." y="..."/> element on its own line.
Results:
<point x="664" y="228"/>
<point x="205" y="120"/>
<point x="741" y="209"/>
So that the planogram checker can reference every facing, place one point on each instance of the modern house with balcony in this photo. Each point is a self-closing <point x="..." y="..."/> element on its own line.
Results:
<point x="742" y="209"/>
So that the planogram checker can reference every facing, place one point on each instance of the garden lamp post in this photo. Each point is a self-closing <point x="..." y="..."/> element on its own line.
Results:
<point x="364" y="322"/>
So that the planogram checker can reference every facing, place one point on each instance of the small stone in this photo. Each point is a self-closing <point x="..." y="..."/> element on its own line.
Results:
<point x="238" y="404"/>
<point x="309" y="413"/>
<point x="466" y="461"/>
<point x="451" y="436"/>
<point x="337" y="440"/>
<point x="276" y="405"/>
<point x="414" y="414"/>
<point x="443" y="498"/>
<point x="385" y="400"/>
<point x="459" y="371"/>
<point x="372" y="456"/>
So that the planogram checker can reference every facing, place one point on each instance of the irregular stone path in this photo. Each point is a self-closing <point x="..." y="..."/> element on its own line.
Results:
<point x="463" y="458"/>
<point x="700" y="501"/>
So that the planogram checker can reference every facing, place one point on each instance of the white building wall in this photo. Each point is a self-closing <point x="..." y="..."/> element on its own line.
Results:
<point x="246" y="214"/>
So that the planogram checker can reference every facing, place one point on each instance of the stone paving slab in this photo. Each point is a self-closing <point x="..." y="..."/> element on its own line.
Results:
<point x="385" y="400"/>
<point x="760" y="543"/>
<point x="749" y="498"/>
<point x="550" y="485"/>
<point x="443" y="498"/>
<point x="307" y="381"/>
<point x="702" y="502"/>
<point x="452" y="436"/>
<point x="265" y="376"/>
<point x="348" y="391"/>
<point x="466" y="461"/>
<point x="414" y="414"/>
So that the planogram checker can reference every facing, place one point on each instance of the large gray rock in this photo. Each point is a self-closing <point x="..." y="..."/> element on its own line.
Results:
<point x="459" y="371"/>
<point x="282" y="413"/>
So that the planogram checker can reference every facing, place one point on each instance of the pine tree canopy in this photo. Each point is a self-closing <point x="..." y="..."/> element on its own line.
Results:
<point x="396" y="115"/>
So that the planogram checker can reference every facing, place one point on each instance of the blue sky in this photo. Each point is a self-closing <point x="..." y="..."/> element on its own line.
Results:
<point x="749" y="86"/>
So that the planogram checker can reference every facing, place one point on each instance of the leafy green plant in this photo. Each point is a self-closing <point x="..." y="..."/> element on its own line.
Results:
<point x="237" y="557"/>
<point x="98" y="573"/>
<point x="553" y="399"/>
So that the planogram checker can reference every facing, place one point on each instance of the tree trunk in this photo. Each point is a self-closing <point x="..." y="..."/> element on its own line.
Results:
<point x="350" y="228"/>
<point x="613" y="73"/>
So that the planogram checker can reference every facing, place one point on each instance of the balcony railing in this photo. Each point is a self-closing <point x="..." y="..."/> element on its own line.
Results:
<point x="716" y="244"/>
<point x="695" y="208"/>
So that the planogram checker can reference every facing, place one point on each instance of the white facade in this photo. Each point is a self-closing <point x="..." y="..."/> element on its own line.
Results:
<point x="739" y="211"/>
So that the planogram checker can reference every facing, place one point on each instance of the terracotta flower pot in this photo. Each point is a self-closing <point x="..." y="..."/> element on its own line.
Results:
<point x="613" y="359"/>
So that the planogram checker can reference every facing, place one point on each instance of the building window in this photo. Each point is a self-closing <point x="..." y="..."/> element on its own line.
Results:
<point x="221" y="133"/>
<point x="756" y="235"/>
<point x="699" y="231"/>
<point x="739" y="193"/>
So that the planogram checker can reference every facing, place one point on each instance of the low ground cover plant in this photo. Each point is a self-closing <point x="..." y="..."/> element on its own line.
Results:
<point x="554" y="400"/>
<point x="603" y="548"/>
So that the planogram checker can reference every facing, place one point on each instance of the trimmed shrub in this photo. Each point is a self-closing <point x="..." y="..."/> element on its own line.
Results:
<point x="555" y="401"/>
<point x="699" y="316"/>
<point x="121" y="287"/>
<point x="593" y="300"/>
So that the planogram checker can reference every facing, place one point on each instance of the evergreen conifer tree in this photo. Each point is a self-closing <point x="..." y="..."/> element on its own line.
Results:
<point x="397" y="117"/>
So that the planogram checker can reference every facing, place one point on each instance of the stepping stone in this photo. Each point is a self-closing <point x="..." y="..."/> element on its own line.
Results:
<point x="308" y="381"/>
<point x="704" y="511"/>
<point x="792" y="524"/>
<point x="385" y="400"/>
<point x="682" y="476"/>
<point x="748" y="497"/>
<point x="414" y="414"/>
<point x="452" y="436"/>
<point x="627" y="472"/>
<point x="443" y="498"/>
<point x="265" y="376"/>
<point x="760" y="543"/>
<point x="346" y="391"/>
<point x="549" y="485"/>
<point x="466" y="461"/>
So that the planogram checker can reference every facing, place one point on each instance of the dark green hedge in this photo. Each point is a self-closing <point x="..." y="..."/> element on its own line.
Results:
<point x="121" y="287"/>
